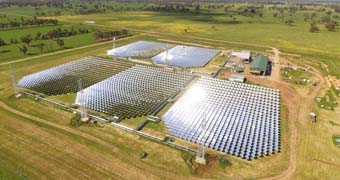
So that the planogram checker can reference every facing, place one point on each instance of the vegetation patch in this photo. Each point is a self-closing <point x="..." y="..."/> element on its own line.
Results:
<point x="334" y="123"/>
<point x="223" y="162"/>
<point x="76" y="120"/>
<point x="9" y="174"/>
<point x="336" y="140"/>
<point x="189" y="159"/>
<point x="295" y="76"/>
<point x="328" y="101"/>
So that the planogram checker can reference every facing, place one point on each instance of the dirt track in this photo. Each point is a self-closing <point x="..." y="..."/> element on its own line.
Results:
<point x="110" y="164"/>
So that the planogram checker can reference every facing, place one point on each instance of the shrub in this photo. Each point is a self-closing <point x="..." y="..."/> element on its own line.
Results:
<point x="75" y="121"/>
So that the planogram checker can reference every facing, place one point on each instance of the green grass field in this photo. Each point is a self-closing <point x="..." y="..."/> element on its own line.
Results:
<point x="218" y="24"/>
<point x="262" y="31"/>
<point x="11" y="52"/>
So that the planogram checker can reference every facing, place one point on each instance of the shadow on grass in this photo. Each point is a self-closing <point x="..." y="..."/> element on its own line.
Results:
<point x="5" y="51"/>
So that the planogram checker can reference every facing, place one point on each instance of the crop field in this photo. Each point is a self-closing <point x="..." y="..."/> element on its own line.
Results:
<point x="267" y="31"/>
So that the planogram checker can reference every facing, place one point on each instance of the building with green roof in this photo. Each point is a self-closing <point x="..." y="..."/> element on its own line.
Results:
<point x="259" y="65"/>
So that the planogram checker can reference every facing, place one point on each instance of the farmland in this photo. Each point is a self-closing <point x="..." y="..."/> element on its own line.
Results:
<point x="38" y="142"/>
<point x="218" y="24"/>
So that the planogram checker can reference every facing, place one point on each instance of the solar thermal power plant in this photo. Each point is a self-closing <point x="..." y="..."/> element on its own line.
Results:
<point x="64" y="78"/>
<point x="137" y="91"/>
<point x="139" y="49"/>
<point x="240" y="119"/>
<point x="185" y="56"/>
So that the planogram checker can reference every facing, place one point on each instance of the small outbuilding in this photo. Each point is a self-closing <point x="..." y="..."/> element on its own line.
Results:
<point x="259" y="65"/>
<point x="237" y="78"/>
<point x="245" y="55"/>
<point x="238" y="69"/>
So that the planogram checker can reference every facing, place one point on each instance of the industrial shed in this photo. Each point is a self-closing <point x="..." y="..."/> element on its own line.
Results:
<point x="259" y="65"/>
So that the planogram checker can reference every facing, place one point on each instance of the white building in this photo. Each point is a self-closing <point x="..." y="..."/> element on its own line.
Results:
<point x="245" y="55"/>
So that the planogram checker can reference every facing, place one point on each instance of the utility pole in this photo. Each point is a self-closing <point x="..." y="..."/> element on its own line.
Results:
<point x="166" y="54"/>
<point x="14" y="80"/>
<point x="113" y="48"/>
<point x="200" y="158"/>
<point x="83" y="113"/>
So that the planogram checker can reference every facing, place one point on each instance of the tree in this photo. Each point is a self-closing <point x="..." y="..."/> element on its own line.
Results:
<point x="331" y="25"/>
<point x="2" y="42"/>
<point x="329" y="12"/>
<point x="23" y="49"/>
<point x="197" y="8"/>
<point x="60" y="42"/>
<point x="37" y="36"/>
<point x="314" y="28"/>
<point x="99" y="34"/>
<point x="290" y="22"/>
<point x="306" y="16"/>
<point x="313" y="15"/>
<point x="26" y="39"/>
<point x="41" y="46"/>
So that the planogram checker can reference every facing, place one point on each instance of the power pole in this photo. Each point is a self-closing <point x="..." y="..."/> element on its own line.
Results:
<point x="14" y="80"/>
<point x="83" y="113"/>
<point x="166" y="54"/>
<point x="200" y="158"/>
<point x="113" y="48"/>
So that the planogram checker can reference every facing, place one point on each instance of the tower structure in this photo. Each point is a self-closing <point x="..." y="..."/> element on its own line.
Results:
<point x="200" y="158"/>
<point x="14" y="80"/>
<point x="113" y="48"/>
<point x="83" y="112"/>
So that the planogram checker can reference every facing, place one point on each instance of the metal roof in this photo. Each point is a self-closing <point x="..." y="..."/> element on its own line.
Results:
<point x="244" y="54"/>
<point x="260" y="63"/>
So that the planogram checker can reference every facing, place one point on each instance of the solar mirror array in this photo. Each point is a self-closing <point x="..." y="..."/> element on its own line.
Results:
<point x="64" y="78"/>
<point x="236" y="118"/>
<point x="137" y="91"/>
<point x="139" y="49"/>
<point x="185" y="57"/>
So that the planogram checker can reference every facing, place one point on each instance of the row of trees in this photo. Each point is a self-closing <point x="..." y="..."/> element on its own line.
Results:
<point x="58" y="33"/>
<point x="34" y="3"/>
<point x="14" y="23"/>
<point x="12" y="41"/>
<point x="100" y="35"/>
<point x="41" y="46"/>
<point x="52" y="34"/>
<point x="330" y="26"/>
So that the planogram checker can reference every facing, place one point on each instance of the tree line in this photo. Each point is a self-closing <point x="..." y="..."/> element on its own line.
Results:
<point x="102" y="35"/>
<point x="14" y="23"/>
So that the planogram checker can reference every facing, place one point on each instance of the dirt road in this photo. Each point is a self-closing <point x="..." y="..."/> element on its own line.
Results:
<point x="298" y="108"/>
<point x="276" y="68"/>
<point x="107" y="163"/>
